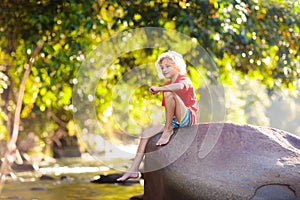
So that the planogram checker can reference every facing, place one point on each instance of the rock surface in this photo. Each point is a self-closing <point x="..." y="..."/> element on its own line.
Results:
<point x="112" y="178"/>
<point x="224" y="161"/>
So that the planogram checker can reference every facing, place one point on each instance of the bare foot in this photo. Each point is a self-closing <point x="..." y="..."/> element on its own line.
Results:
<point x="128" y="175"/>
<point x="165" y="138"/>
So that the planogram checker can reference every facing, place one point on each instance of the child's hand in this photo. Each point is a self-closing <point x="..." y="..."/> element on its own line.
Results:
<point x="153" y="90"/>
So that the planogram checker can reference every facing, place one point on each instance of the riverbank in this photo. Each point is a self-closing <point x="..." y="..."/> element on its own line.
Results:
<point x="69" y="179"/>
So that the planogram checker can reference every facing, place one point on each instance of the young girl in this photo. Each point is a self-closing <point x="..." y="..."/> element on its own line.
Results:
<point x="180" y="104"/>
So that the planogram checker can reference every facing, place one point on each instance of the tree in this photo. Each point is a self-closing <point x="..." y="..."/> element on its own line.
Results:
<point x="64" y="27"/>
<point x="258" y="40"/>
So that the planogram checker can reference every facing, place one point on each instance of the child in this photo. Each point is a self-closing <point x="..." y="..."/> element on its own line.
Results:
<point x="180" y="104"/>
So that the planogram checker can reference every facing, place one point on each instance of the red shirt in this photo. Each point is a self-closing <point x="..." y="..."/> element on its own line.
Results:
<point x="187" y="94"/>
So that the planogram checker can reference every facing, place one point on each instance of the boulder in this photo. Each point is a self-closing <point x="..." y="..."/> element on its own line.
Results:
<point x="224" y="161"/>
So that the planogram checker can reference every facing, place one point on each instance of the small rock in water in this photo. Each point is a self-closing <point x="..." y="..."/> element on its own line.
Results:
<point x="66" y="178"/>
<point x="112" y="178"/>
<point x="37" y="188"/>
<point x="46" y="177"/>
<point x="137" y="197"/>
<point x="14" y="197"/>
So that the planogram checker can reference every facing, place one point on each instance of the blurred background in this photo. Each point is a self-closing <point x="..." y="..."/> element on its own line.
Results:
<point x="253" y="44"/>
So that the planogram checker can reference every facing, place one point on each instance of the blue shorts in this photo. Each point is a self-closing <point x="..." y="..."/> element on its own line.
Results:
<point x="188" y="119"/>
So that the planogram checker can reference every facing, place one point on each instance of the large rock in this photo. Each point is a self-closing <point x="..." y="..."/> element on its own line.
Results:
<point x="224" y="161"/>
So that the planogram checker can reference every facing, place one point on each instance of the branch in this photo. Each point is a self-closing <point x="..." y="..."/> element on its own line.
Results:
<point x="10" y="155"/>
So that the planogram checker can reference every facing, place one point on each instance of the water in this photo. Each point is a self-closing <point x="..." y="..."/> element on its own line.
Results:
<point x="54" y="190"/>
<point x="71" y="182"/>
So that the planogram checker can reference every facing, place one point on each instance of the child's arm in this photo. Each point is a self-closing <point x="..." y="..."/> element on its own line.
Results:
<point x="171" y="87"/>
<point x="168" y="88"/>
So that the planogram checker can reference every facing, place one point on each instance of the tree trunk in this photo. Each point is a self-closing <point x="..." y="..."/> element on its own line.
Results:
<point x="10" y="155"/>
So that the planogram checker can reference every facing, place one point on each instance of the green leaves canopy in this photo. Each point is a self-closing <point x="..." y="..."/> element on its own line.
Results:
<point x="256" y="39"/>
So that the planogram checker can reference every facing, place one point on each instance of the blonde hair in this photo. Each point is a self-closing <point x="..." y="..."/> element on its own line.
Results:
<point x="175" y="57"/>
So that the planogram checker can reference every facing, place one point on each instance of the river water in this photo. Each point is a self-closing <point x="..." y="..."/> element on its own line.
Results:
<point x="71" y="181"/>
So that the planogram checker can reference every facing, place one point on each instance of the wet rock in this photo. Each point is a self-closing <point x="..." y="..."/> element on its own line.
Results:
<point x="66" y="178"/>
<point x="224" y="161"/>
<point x="46" y="178"/>
<point x="137" y="197"/>
<point x="37" y="188"/>
<point x="112" y="178"/>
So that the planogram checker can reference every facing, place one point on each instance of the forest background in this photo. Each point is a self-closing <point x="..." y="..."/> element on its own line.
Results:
<point x="254" y="45"/>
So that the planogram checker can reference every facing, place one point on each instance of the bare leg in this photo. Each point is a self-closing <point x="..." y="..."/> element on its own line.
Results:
<point x="174" y="106"/>
<point x="133" y="171"/>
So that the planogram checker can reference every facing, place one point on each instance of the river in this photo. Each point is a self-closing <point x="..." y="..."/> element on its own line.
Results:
<point x="71" y="181"/>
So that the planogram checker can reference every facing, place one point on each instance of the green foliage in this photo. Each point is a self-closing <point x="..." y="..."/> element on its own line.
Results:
<point x="65" y="28"/>
<point x="253" y="40"/>
<point x="121" y="88"/>
<point x="246" y="101"/>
